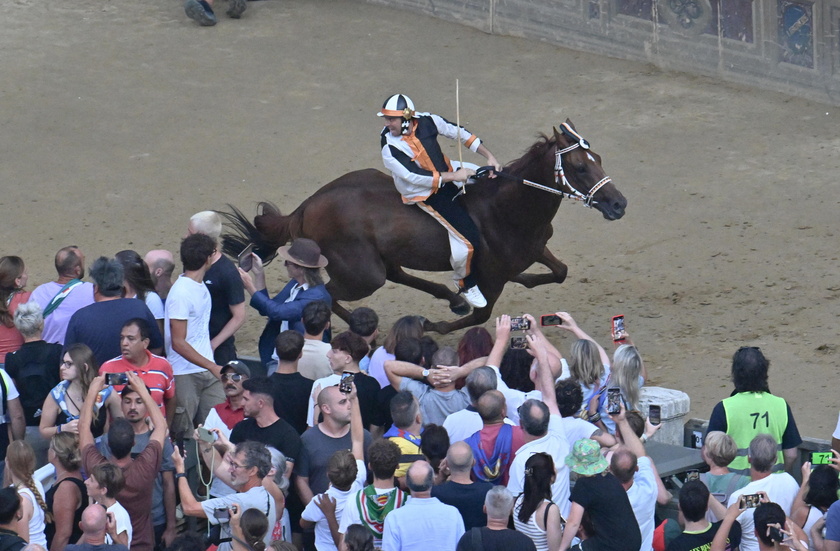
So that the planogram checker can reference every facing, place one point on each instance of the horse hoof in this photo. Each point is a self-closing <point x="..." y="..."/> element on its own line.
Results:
<point x="461" y="308"/>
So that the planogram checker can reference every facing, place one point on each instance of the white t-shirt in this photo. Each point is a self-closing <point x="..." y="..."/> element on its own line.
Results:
<point x="317" y="387"/>
<point x="13" y="393"/>
<point x="213" y="421"/>
<point x="155" y="305"/>
<point x="188" y="300"/>
<point x="513" y="398"/>
<point x="781" y="488"/>
<point x="312" y="513"/>
<point x="642" y="496"/>
<point x="837" y="429"/>
<point x="313" y="363"/>
<point x="555" y="444"/>
<point x="576" y="429"/>
<point x="123" y="522"/>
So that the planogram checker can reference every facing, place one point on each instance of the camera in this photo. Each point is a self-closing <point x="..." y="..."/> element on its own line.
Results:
<point x="619" y="334"/>
<point x="206" y="435"/>
<point x="221" y="514"/>
<point x="550" y="319"/>
<point x="751" y="501"/>
<point x="518" y="343"/>
<point x="246" y="261"/>
<point x="655" y="415"/>
<point x="112" y="379"/>
<point x="346" y="383"/>
<point x="614" y="400"/>
<point x="519" y="324"/>
<point x="820" y="458"/>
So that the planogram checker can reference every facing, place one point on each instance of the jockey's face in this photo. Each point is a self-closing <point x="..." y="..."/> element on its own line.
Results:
<point x="394" y="125"/>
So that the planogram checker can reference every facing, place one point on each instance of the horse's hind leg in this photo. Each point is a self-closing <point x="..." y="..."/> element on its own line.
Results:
<point x="477" y="317"/>
<point x="457" y="303"/>
<point x="557" y="275"/>
<point x="341" y="311"/>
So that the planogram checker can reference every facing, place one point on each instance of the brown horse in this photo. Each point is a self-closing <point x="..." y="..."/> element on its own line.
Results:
<point x="369" y="236"/>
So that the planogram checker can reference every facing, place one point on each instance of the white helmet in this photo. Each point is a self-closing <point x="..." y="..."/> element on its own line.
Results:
<point x="399" y="105"/>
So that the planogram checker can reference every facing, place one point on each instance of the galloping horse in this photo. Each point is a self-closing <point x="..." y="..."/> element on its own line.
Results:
<point x="369" y="236"/>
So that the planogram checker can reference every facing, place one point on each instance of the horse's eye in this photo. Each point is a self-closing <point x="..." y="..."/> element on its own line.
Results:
<point x="581" y="168"/>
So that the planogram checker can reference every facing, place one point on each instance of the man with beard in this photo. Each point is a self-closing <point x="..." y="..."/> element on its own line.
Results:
<point x="163" y="492"/>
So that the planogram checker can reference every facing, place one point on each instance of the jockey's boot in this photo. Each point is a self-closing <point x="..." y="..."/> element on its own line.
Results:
<point x="474" y="297"/>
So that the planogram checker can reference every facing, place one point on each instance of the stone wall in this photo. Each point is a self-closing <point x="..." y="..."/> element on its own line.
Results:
<point x="790" y="46"/>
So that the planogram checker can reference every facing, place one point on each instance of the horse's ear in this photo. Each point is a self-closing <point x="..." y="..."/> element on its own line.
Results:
<point x="570" y="123"/>
<point x="556" y="134"/>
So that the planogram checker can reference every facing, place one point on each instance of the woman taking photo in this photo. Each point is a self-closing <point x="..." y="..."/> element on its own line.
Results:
<point x="67" y="497"/>
<point x="13" y="278"/>
<point x="20" y="461"/>
<point x="62" y="407"/>
<point x="534" y="514"/>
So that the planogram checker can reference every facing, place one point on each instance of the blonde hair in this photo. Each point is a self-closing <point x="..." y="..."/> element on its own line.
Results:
<point x="626" y="368"/>
<point x="20" y="458"/>
<point x="65" y="445"/>
<point x="585" y="362"/>
<point x="207" y="222"/>
<point x="720" y="448"/>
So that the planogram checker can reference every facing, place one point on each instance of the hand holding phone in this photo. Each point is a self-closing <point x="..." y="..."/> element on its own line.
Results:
<point x="116" y="379"/>
<point x="619" y="333"/>
<point x="245" y="258"/>
<point x="550" y="320"/>
<point x="654" y="414"/>
<point x="519" y="324"/>
<point x="206" y="435"/>
<point x="820" y="458"/>
<point x="614" y="400"/>
<point x="346" y="383"/>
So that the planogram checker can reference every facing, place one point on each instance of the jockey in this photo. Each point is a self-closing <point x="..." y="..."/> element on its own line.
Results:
<point x="424" y="176"/>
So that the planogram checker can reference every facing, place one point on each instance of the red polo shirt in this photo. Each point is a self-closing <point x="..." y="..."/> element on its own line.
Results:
<point x="157" y="374"/>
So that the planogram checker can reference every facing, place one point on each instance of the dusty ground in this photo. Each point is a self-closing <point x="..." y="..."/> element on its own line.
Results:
<point x="120" y="119"/>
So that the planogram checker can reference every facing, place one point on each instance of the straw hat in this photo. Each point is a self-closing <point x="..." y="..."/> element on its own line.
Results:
<point x="303" y="252"/>
<point x="586" y="458"/>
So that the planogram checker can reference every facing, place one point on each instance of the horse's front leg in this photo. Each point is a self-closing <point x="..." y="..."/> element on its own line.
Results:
<point x="476" y="317"/>
<point x="457" y="303"/>
<point x="557" y="275"/>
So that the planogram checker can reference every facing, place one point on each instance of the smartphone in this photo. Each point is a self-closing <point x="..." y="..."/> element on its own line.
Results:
<point x="519" y="324"/>
<point x="518" y="343"/>
<point x="180" y="443"/>
<point x="112" y="379"/>
<point x="206" y="435"/>
<point x="222" y="514"/>
<point x="618" y="332"/>
<point x="820" y="458"/>
<point x="692" y="474"/>
<point x="776" y="533"/>
<point x="547" y="320"/>
<point x="751" y="501"/>
<point x="345" y="385"/>
<point x="246" y="261"/>
<point x="654" y="414"/>
<point x="614" y="400"/>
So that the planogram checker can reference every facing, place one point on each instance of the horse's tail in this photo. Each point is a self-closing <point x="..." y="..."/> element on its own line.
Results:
<point x="268" y="232"/>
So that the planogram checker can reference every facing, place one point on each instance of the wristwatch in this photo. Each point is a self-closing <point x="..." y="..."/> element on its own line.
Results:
<point x="425" y="373"/>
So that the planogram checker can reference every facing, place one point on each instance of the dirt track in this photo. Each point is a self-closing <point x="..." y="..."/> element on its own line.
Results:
<point x="120" y="119"/>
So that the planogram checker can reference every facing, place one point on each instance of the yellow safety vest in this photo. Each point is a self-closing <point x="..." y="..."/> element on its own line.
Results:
<point x="749" y="414"/>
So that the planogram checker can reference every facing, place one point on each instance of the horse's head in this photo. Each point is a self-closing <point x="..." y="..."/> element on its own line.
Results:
<point x="578" y="173"/>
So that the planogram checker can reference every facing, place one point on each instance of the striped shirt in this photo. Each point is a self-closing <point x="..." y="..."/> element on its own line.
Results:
<point x="157" y="374"/>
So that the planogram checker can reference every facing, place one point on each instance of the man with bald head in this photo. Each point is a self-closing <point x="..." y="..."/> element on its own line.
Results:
<point x="60" y="299"/>
<point x="324" y="439"/>
<point x="496" y="443"/>
<point x="460" y="490"/>
<point x="94" y="525"/>
<point x="161" y="264"/>
<point x="424" y="522"/>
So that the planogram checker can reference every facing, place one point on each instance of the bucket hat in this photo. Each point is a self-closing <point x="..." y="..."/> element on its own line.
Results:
<point x="586" y="458"/>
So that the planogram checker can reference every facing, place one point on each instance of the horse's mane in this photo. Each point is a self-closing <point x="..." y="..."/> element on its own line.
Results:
<point x="533" y="153"/>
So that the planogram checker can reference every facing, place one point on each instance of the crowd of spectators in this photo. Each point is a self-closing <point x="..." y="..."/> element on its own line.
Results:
<point x="129" y="422"/>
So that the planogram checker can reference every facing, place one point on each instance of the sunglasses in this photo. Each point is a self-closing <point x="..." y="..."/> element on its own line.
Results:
<point x="235" y="377"/>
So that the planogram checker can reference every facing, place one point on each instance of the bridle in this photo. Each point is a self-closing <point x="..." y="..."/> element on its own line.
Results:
<point x="560" y="179"/>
